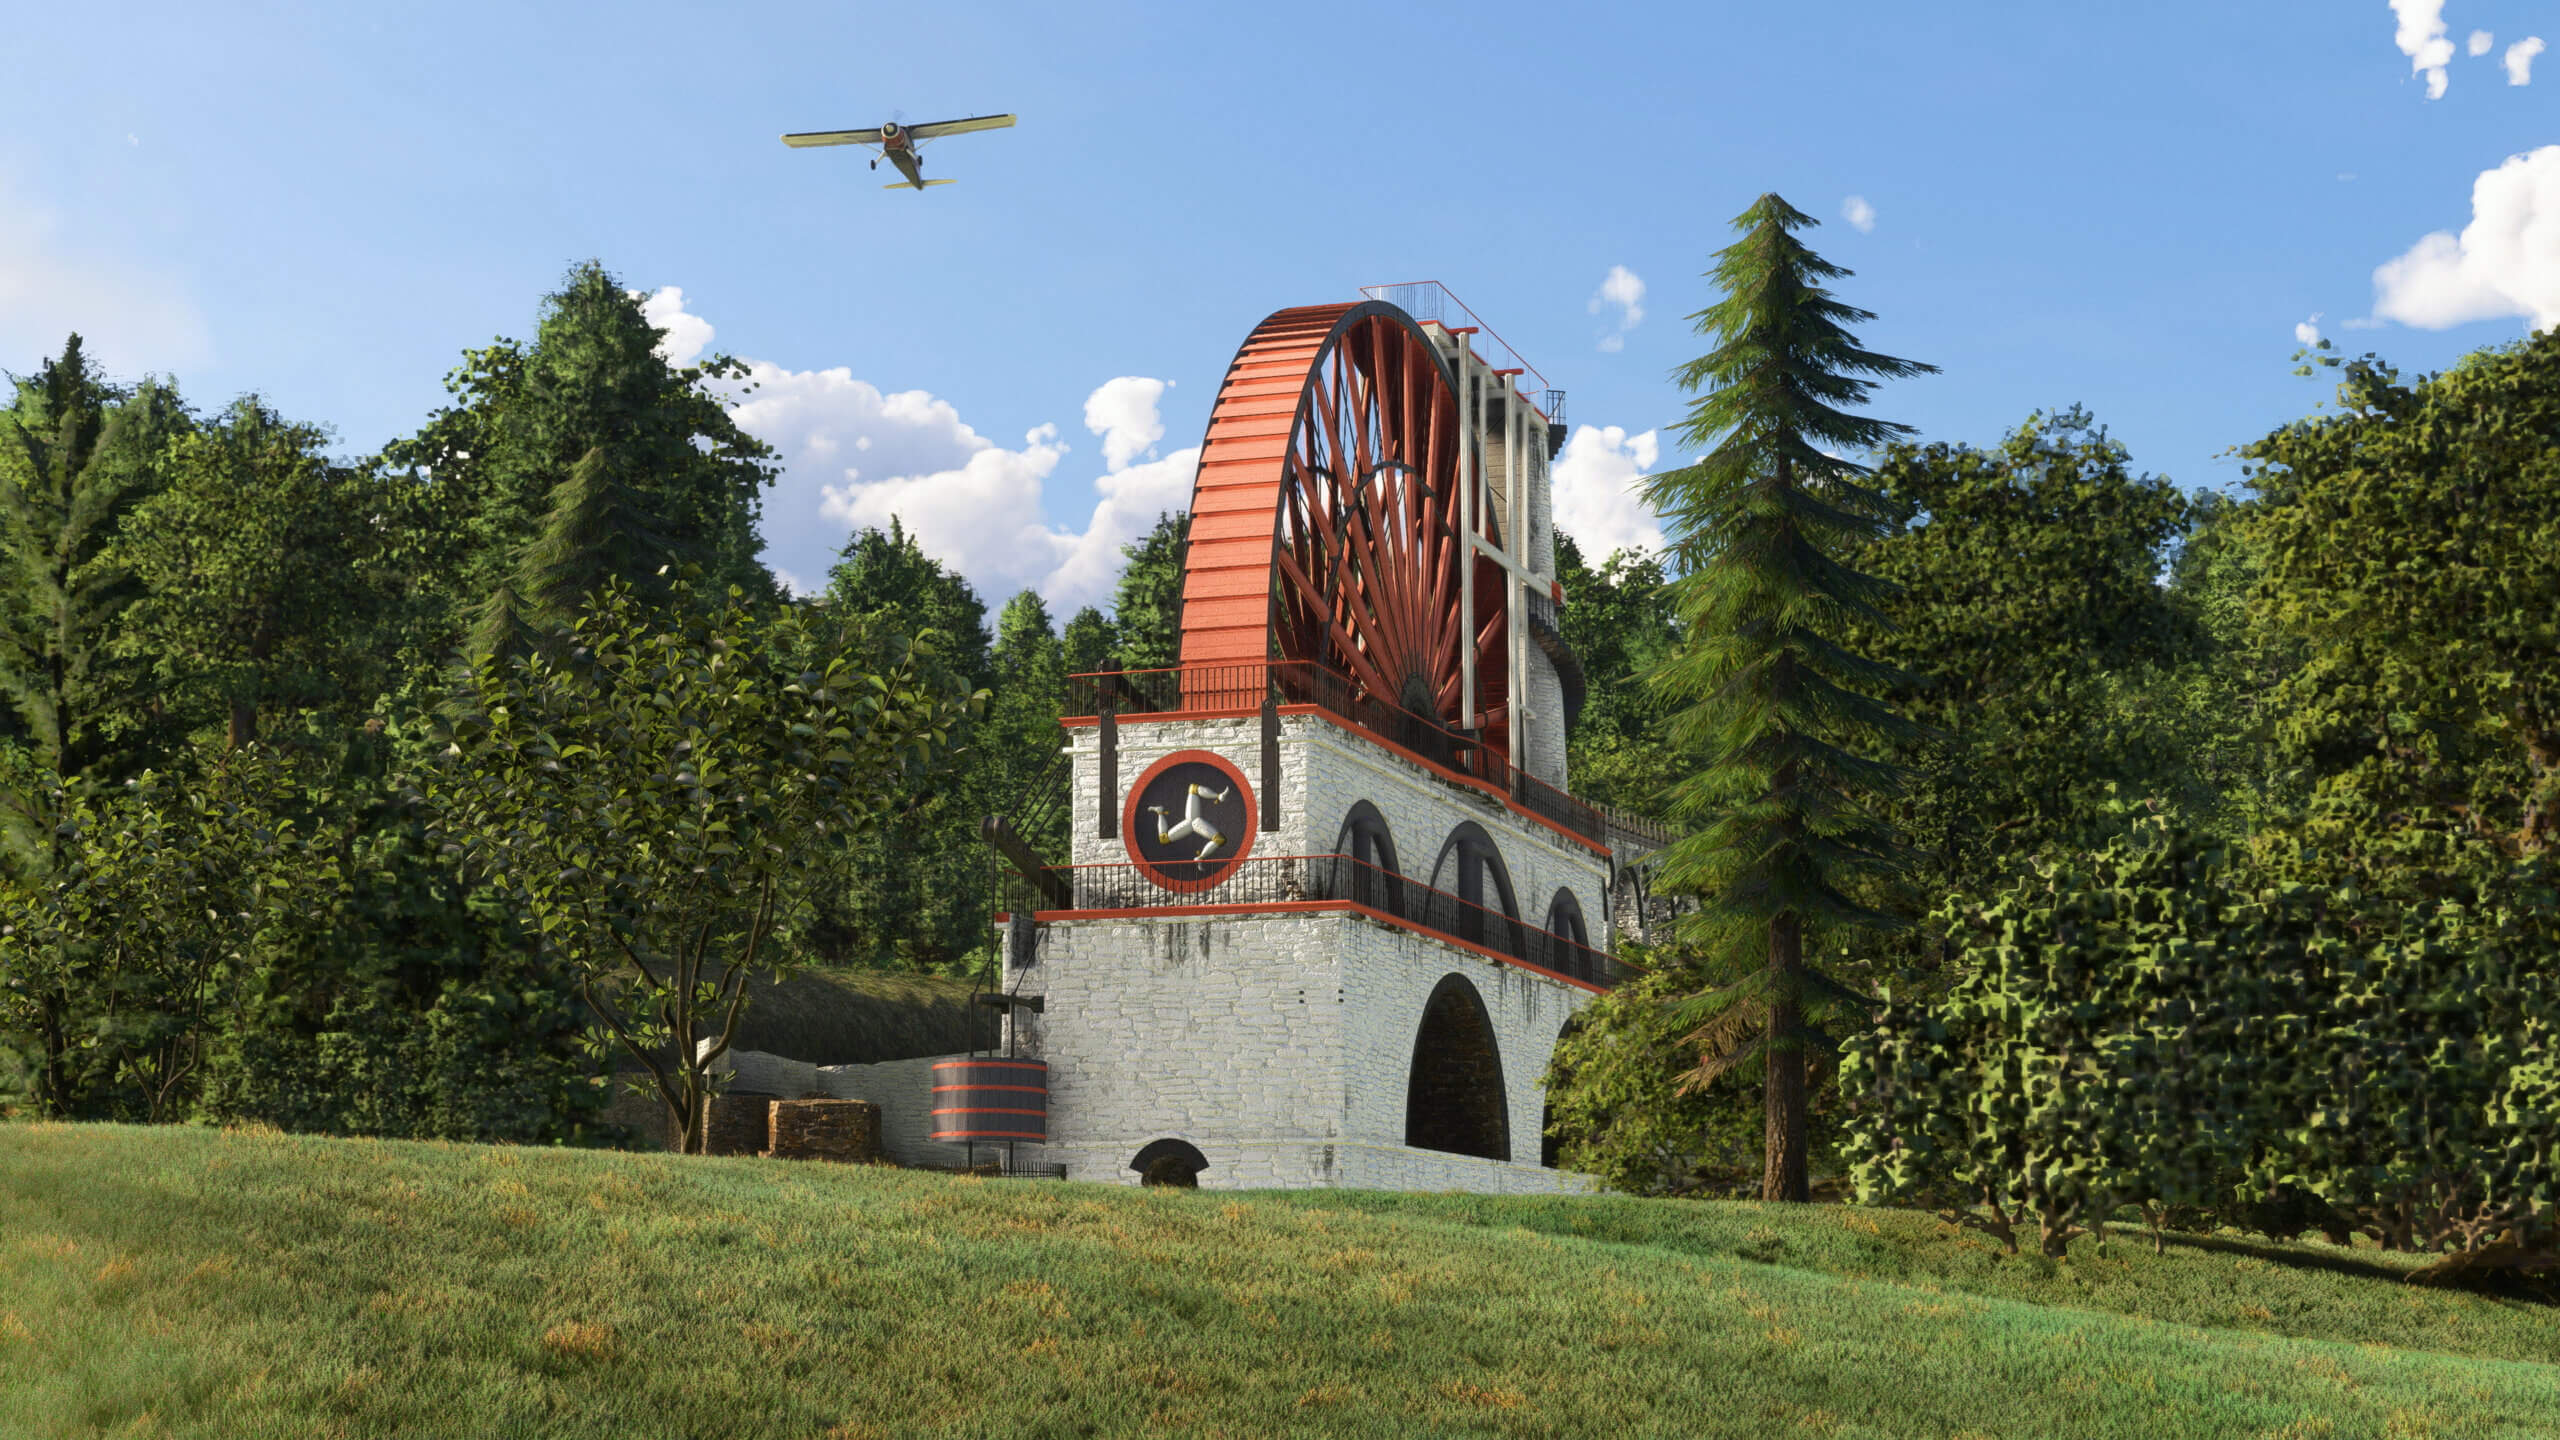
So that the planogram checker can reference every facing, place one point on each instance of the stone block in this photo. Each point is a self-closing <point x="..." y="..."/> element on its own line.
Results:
<point x="815" y="1129"/>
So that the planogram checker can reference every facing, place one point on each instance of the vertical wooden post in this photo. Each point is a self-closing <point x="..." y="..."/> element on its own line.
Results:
<point x="1109" y="768"/>
<point x="1270" y="760"/>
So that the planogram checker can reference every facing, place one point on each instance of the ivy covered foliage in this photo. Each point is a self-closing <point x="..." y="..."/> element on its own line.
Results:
<point x="2192" y="1033"/>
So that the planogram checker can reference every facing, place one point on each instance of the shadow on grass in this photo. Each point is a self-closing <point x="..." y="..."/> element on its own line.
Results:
<point x="2497" y="1285"/>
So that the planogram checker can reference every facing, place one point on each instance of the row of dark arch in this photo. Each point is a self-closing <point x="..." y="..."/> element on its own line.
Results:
<point x="1469" y="894"/>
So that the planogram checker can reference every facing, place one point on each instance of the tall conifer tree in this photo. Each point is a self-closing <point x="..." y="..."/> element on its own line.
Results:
<point x="1762" y="688"/>
<point x="77" y="453"/>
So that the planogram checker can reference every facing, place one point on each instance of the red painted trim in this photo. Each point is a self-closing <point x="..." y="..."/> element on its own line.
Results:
<point x="1299" y="907"/>
<point x="1007" y="1064"/>
<point x="1007" y="1089"/>
<point x="1039" y="1138"/>
<point x="1079" y="722"/>
<point x="1487" y="788"/>
<point x="965" y="1110"/>
<point x="1137" y="792"/>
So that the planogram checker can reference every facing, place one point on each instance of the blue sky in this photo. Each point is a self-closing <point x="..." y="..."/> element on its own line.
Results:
<point x="2127" y="206"/>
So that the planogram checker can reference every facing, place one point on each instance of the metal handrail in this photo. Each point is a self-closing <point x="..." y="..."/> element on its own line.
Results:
<point x="1290" y="879"/>
<point x="1242" y="688"/>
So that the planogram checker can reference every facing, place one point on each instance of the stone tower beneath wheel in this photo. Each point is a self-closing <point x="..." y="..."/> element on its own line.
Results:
<point x="1331" y="903"/>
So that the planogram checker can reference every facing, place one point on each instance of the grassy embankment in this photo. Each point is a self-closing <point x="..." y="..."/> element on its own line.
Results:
<point x="194" y="1283"/>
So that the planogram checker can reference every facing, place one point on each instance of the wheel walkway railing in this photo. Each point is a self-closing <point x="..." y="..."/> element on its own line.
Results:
<point x="1243" y="689"/>
<point x="1297" y="879"/>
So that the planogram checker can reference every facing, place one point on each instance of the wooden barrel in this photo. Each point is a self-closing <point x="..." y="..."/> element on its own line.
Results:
<point x="990" y="1100"/>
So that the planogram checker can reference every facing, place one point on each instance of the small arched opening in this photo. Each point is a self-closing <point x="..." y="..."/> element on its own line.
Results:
<point x="1549" y="1147"/>
<point x="1470" y="870"/>
<point x="1570" y="950"/>
<point x="1370" y="877"/>
<point x="1170" y="1162"/>
<point x="1455" y="1100"/>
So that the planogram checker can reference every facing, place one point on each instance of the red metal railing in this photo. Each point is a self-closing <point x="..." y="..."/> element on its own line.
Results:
<point x="1242" y="689"/>
<point x="1295" y="879"/>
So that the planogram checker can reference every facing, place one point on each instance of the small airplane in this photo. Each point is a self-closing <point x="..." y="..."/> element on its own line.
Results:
<point x="900" y="144"/>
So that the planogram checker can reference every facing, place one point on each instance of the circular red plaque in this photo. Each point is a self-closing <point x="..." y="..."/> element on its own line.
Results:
<point x="1189" y="821"/>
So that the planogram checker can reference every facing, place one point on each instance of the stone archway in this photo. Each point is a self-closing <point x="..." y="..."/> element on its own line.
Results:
<point x="1455" y="1100"/>
<point x="1170" y="1162"/>
<point x="1549" y="1148"/>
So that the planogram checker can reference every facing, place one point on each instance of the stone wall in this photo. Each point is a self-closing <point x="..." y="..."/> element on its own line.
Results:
<point x="1281" y="1046"/>
<point x="1324" y="771"/>
<point x="903" y="1089"/>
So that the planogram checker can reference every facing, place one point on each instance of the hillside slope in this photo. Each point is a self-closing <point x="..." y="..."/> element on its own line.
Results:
<point x="195" y="1283"/>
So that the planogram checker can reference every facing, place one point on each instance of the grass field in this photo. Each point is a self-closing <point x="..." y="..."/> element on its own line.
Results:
<point x="194" y="1283"/>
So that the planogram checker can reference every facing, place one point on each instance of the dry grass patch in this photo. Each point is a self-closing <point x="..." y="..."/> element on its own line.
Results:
<point x="583" y="1340"/>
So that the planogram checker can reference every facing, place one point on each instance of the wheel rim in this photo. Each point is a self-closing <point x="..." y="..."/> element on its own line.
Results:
<point x="1325" y="517"/>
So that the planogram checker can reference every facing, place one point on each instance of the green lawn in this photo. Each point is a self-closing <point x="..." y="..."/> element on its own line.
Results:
<point x="195" y="1283"/>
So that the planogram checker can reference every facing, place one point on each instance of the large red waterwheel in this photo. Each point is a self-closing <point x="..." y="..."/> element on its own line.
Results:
<point x="1325" y="524"/>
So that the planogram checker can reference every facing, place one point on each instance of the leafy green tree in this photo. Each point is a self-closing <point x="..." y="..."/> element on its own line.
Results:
<point x="2223" y="706"/>
<point x="76" y="455"/>
<point x="1620" y="620"/>
<point x="913" y="894"/>
<point x="2410" y="546"/>
<point x="257" y="565"/>
<point x="2100" y="1047"/>
<point x="1089" y="641"/>
<point x="397" y="1000"/>
<point x="886" y="575"/>
<point x="678" y="478"/>
<point x="119" y="963"/>
<point x="1617" y="1108"/>
<point x="2026" y="608"/>
<point x="649" y="811"/>
<point x="2418" y="1096"/>
<point x="1782" y="813"/>
<point x="2357" y="1037"/>
<point x="1146" y="605"/>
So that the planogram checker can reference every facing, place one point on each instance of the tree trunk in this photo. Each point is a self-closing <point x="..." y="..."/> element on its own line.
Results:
<point x="1783" y="1175"/>
<point x="244" y="724"/>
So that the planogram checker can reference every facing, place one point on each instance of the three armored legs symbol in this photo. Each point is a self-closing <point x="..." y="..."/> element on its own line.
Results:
<point x="1194" y="823"/>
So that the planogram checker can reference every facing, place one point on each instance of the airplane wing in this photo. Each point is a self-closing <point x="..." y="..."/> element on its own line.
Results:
<point x="839" y="137"/>
<point x="958" y="127"/>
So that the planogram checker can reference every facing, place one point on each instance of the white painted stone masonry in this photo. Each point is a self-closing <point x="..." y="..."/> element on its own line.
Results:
<point x="1280" y="1045"/>
<point x="1324" y="771"/>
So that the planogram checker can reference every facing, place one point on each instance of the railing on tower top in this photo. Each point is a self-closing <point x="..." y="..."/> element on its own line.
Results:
<point x="1430" y="302"/>
<point x="1242" y="689"/>
<point x="1299" y="879"/>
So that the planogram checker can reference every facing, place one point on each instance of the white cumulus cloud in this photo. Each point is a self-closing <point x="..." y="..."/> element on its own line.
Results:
<point x="688" y="335"/>
<point x="854" y="456"/>
<point x="1621" y="290"/>
<point x="2505" y="262"/>
<point x="1594" y="490"/>
<point x="1859" y="213"/>
<point x="133" y="319"/>
<point x="2308" y="331"/>
<point x="2479" y="43"/>
<point x="2519" y="59"/>
<point x="2422" y="38"/>
<point x="1123" y="413"/>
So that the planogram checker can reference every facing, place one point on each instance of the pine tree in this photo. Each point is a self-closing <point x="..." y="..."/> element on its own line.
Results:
<point x="1761" y="685"/>
<point x="601" y="527"/>
<point x="76" y="455"/>
<point x="1147" y="604"/>
<point x="1090" y="639"/>
<point x="679" y="478"/>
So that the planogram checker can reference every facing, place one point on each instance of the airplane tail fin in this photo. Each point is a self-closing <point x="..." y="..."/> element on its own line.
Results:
<point x="903" y="185"/>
